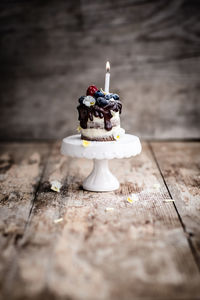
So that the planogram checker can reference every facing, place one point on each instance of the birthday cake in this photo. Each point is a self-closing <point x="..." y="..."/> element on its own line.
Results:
<point x="99" y="115"/>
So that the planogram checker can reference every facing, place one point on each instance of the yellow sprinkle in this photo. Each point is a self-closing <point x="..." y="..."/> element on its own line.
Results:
<point x="118" y="137"/>
<point x="78" y="128"/>
<point x="58" y="220"/>
<point x="85" y="143"/>
<point x="92" y="103"/>
<point x="102" y="91"/>
<point x="129" y="200"/>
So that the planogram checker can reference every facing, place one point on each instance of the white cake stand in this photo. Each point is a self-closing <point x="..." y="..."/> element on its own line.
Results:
<point x="101" y="179"/>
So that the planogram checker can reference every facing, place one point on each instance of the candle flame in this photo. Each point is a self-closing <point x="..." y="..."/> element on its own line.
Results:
<point x="107" y="66"/>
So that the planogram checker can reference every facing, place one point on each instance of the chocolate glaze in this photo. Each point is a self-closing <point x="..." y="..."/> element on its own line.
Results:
<point x="86" y="113"/>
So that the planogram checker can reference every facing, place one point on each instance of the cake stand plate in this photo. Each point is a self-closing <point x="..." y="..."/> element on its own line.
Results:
<point x="101" y="179"/>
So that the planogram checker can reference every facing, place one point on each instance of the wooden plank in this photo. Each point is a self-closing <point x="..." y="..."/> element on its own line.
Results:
<point x="180" y="166"/>
<point x="75" y="247"/>
<point x="21" y="166"/>
<point x="154" y="51"/>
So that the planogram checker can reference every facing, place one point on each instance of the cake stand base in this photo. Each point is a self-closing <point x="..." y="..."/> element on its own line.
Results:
<point x="101" y="179"/>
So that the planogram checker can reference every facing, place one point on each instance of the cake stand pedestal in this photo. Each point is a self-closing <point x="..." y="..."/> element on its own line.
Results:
<point x="101" y="179"/>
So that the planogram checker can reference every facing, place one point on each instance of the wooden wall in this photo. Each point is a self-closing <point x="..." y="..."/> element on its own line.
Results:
<point x="52" y="50"/>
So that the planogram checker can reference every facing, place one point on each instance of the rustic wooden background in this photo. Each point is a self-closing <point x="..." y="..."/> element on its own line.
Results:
<point x="52" y="50"/>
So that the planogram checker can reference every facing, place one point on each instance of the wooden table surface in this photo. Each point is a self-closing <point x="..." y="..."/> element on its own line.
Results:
<point x="72" y="245"/>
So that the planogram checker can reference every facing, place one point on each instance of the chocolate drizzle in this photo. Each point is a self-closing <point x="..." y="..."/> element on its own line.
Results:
<point x="86" y="113"/>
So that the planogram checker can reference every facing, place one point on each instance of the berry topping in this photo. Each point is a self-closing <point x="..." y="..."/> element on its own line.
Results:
<point x="81" y="99"/>
<point x="101" y="101"/>
<point x="108" y="96"/>
<point x="91" y="90"/>
<point x="115" y="96"/>
<point x="99" y="94"/>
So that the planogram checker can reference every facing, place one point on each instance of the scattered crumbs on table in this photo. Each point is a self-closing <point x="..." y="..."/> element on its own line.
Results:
<point x="109" y="208"/>
<point x="56" y="186"/>
<point x="85" y="143"/>
<point x="168" y="200"/>
<point x="58" y="220"/>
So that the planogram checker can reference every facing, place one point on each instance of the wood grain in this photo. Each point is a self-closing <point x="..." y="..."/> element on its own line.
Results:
<point x="52" y="50"/>
<point x="74" y="247"/>
<point x="21" y="167"/>
<point x="180" y="165"/>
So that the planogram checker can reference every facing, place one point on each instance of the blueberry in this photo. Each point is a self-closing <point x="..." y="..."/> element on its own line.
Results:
<point x="108" y="96"/>
<point x="115" y="96"/>
<point x="102" y="101"/>
<point x="81" y="99"/>
<point x="98" y="94"/>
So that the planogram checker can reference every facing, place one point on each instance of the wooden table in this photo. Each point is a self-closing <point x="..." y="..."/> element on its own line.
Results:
<point x="82" y="245"/>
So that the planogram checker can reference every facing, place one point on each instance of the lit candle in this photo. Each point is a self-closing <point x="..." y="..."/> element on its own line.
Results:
<point x="107" y="77"/>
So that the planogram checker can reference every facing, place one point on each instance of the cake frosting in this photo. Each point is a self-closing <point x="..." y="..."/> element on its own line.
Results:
<point x="99" y="115"/>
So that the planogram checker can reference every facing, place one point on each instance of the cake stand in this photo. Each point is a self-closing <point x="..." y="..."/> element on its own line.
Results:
<point x="101" y="179"/>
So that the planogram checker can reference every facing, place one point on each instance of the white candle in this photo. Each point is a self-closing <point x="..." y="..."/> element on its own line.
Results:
<point x="107" y="77"/>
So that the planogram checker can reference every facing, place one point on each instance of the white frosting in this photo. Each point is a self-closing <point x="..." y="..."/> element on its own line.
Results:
<point x="100" y="121"/>
<point x="93" y="133"/>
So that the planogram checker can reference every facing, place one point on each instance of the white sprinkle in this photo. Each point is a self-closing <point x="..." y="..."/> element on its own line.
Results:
<point x="58" y="220"/>
<point x="109" y="208"/>
<point x="169" y="200"/>
<point x="56" y="186"/>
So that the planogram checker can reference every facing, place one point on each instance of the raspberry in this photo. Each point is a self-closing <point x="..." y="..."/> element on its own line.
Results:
<point x="91" y="90"/>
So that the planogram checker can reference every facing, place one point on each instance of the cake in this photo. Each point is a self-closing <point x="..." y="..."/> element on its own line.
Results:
<point x="99" y="115"/>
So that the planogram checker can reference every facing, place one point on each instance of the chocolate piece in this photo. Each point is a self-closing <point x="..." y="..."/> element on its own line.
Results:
<point x="103" y="139"/>
<point x="86" y="113"/>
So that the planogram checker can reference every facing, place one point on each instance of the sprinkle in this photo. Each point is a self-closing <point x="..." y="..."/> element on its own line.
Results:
<point x="102" y="91"/>
<point x="85" y="143"/>
<point x="92" y="103"/>
<point x="129" y="200"/>
<point x="169" y="200"/>
<point x="109" y="208"/>
<point x="56" y="186"/>
<point x="58" y="220"/>
<point x="117" y="136"/>
<point x="78" y="128"/>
